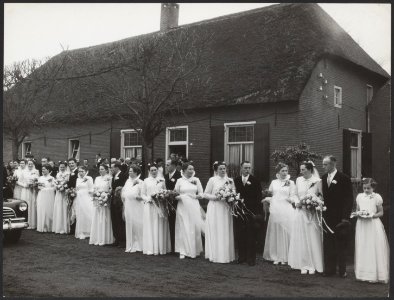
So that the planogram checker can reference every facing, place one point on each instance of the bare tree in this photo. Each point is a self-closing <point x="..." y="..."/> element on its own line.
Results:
<point x="26" y="90"/>
<point x="151" y="81"/>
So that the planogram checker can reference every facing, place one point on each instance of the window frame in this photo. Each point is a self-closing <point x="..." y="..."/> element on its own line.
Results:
<point x="71" y="151"/>
<point x="168" y="143"/>
<point x="226" y="137"/>
<point x="341" y="96"/>
<point x="24" y="149"/>
<point x="122" y="140"/>
<point x="359" y="155"/>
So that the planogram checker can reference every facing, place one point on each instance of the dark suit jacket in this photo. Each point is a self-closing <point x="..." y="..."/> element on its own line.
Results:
<point x="338" y="198"/>
<point x="120" y="181"/>
<point x="72" y="181"/>
<point x="124" y="167"/>
<point x="170" y="185"/>
<point x="251" y="193"/>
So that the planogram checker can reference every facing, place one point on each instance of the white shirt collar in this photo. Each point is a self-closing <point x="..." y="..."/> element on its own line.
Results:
<point x="172" y="174"/>
<point x="117" y="174"/>
<point x="333" y="173"/>
<point x="245" y="177"/>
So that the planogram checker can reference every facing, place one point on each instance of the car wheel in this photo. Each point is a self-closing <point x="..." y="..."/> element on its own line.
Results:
<point x="13" y="236"/>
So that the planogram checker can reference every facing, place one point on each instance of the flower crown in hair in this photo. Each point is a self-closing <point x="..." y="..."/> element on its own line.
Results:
<point x="311" y="162"/>
<point x="152" y="164"/>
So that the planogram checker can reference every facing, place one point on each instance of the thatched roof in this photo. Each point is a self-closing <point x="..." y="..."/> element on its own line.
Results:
<point x="257" y="56"/>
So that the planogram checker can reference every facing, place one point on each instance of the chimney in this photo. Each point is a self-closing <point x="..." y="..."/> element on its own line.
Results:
<point x="169" y="15"/>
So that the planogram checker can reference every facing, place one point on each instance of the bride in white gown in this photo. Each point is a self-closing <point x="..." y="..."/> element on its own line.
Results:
<point x="156" y="231"/>
<point x="45" y="200"/>
<point x="306" y="243"/>
<point x="219" y="236"/>
<point x="189" y="223"/>
<point x="101" y="231"/>
<point x="30" y="195"/>
<point x="133" y="209"/>
<point x="281" y="218"/>
<point x="61" y="223"/>
<point x="83" y="202"/>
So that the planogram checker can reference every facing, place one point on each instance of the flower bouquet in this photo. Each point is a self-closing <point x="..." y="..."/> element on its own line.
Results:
<point x="12" y="179"/>
<point x="33" y="183"/>
<point x="102" y="199"/>
<point x="236" y="205"/>
<point x="164" y="200"/>
<point x="71" y="194"/>
<point x="61" y="186"/>
<point x="361" y="213"/>
<point x="312" y="203"/>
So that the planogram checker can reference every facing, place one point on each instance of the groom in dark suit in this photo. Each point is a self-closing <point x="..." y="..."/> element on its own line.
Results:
<point x="338" y="198"/>
<point x="72" y="181"/>
<point x="171" y="177"/>
<point x="250" y="190"/>
<point x="118" y="224"/>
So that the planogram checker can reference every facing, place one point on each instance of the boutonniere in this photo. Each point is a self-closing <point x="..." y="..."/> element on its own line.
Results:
<point x="287" y="183"/>
<point x="172" y="179"/>
<point x="50" y="180"/>
<point x="136" y="182"/>
<point x="84" y="179"/>
<point x="159" y="180"/>
<point x="193" y="182"/>
<point x="248" y="182"/>
<point x="334" y="182"/>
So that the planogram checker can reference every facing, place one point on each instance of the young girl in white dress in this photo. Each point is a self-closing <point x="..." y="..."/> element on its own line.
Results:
<point x="101" y="231"/>
<point x="30" y="194"/>
<point x="45" y="200"/>
<point x="133" y="209"/>
<point x="306" y="242"/>
<point x="83" y="202"/>
<point x="371" y="259"/>
<point x="281" y="218"/>
<point x="61" y="223"/>
<point x="156" y="231"/>
<point x="219" y="235"/>
<point x="189" y="222"/>
<point x="21" y="183"/>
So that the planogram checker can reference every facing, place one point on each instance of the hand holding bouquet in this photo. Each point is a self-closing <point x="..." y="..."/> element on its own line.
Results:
<point x="361" y="213"/>
<point x="236" y="205"/>
<point x="61" y="186"/>
<point x="312" y="202"/>
<point x="164" y="200"/>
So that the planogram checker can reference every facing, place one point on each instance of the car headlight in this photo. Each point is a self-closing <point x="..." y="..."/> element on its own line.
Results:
<point x="22" y="206"/>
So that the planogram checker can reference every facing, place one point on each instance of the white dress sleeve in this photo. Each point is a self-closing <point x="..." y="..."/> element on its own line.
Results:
<point x="293" y="192"/>
<point x="378" y="200"/>
<point x="208" y="193"/>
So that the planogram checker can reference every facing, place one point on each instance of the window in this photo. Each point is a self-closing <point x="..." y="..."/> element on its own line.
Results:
<point x="131" y="144"/>
<point x="177" y="141"/>
<point x="26" y="149"/>
<point x="355" y="154"/>
<point x="239" y="145"/>
<point x="337" y="96"/>
<point x="369" y="93"/>
<point x="73" y="149"/>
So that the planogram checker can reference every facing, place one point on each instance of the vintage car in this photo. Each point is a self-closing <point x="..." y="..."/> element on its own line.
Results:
<point x="14" y="219"/>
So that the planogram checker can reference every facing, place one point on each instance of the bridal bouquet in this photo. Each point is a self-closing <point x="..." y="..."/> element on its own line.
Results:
<point x="61" y="186"/>
<point x="33" y="183"/>
<point x="236" y="205"/>
<point x="312" y="202"/>
<point x="164" y="200"/>
<point x="12" y="179"/>
<point x="71" y="194"/>
<point x="102" y="199"/>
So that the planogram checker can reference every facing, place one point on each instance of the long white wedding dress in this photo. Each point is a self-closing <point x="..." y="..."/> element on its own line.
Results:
<point x="371" y="259"/>
<point x="306" y="242"/>
<point x="188" y="223"/>
<point x="280" y="221"/>
<point x="156" y="231"/>
<point x="101" y="230"/>
<point x="219" y="235"/>
<point x="133" y="211"/>
<point x="84" y="208"/>
<point x="30" y="196"/>
<point x="61" y="222"/>
<point x="19" y="185"/>
<point x="45" y="202"/>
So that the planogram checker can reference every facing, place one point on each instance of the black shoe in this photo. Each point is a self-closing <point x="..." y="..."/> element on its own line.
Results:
<point x="344" y="275"/>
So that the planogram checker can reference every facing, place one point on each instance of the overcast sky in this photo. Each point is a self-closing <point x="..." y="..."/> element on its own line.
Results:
<point x="37" y="30"/>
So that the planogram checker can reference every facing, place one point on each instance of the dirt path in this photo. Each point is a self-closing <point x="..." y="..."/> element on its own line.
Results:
<point x="43" y="264"/>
